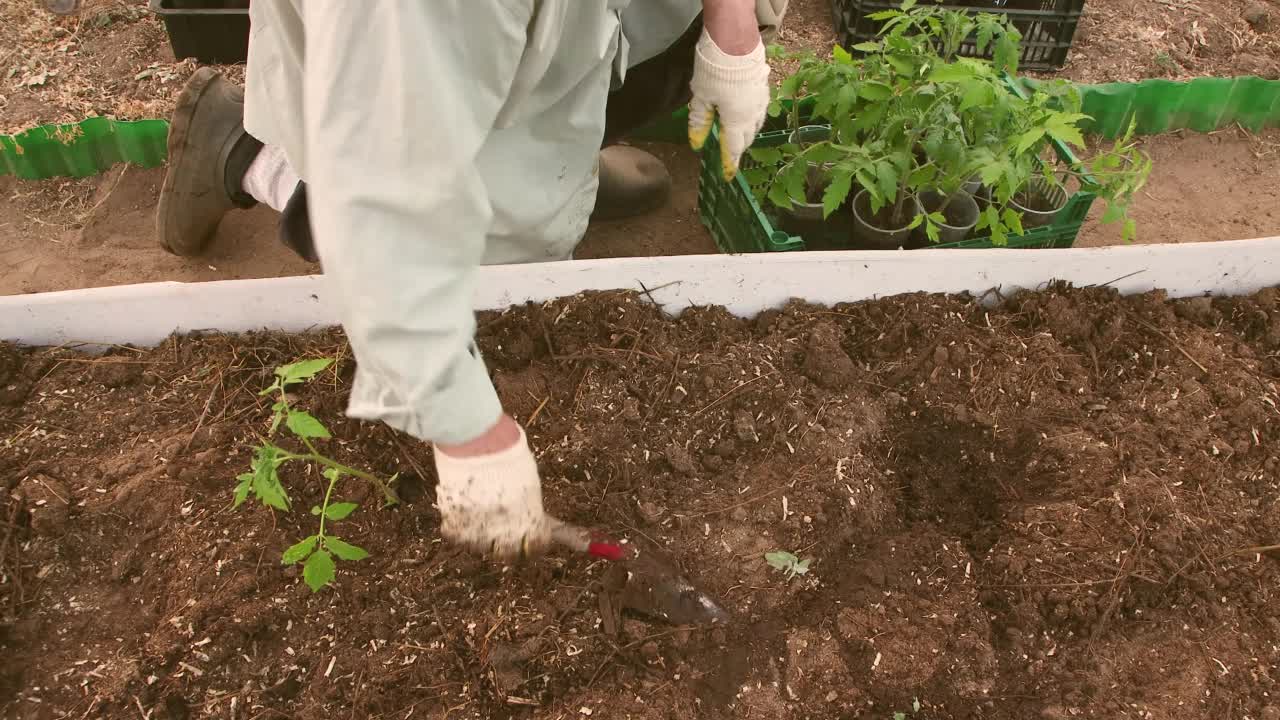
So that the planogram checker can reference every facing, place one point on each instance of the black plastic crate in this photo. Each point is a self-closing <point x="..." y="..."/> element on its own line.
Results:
<point x="1047" y="26"/>
<point x="211" y="31"/>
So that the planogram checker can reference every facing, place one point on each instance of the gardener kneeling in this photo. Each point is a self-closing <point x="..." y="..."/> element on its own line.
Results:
<point x="432" y="137"/>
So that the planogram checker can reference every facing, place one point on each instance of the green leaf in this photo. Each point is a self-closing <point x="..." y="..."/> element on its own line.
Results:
<point x="823" y="153"/>
<point x="875" y="91"/>
<point x="757" y="176"/>
<point x="1029" y="138"/>
<point x="243" y="488"/>
<point x="846" y="96"/>
<point x="952" y="72"/>
<point x="884" y="15"/>
<point x="1013" y="220"/>
<point x="778" y="195"/>
<point x="270" y="389"/>
<point x="266" y="482"/>
<point x="780" y="560"/>
<point x="1113" y="213"/>
<point x="887" y="179"/>
<point x="304" y="425"/>
<point x="793" y="180"/>
<point x="985" y="32"/>
<point x="867" y="47"/>
<point x="338" y="511"/>
<point x="319" y="570"/>
<point x="331" y="474"/>
<point x="837" y="191"/>
<point x="299" y="551"/>
<point x="938" y="218"/>
<point x="977" y="94"/>
<point x="1064" y="128"/>
<point x="922" y="176"/>
<point x="900" y="65"/>
<point x="931" y="231"/>
<point x="344" y="550"/>
<point x="315" y="510"/>
<point x="998" y="236"/>
<point x="841" y="55"/>
<point x="766" y="155"/>
<point x="908" y="4"/>
<point x="915" y="222"/>
<point x="790" y="86"/>
<point x="302" y="370"/>
<point x="1130" y="230"/>
<point x="915" y="705"/>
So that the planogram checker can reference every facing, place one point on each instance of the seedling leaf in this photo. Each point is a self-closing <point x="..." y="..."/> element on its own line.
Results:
<point x="780" y="560"/>
<point x="299" y="551"/>
<point x="1029" y="138"/>
<point x="302" y="370"/>
<point x="319" y="570"/>
<point x="344" y="550"/>
<point x="305" y="425"/>
<point x="266" y="482"/>
<point x="836" y="192"/>
<point x="1013" y="219"/>
<point x="338" y="511"/>
<point x="243" y="488"/>
<point x="1063" y="127"/>
<point x="766" y="155"/>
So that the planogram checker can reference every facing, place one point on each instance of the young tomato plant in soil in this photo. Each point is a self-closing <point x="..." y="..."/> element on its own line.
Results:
<point x="788" y="563"/>
<point x="317" y="552"/>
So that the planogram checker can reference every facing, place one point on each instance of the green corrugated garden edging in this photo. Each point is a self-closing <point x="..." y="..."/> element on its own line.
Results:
<point x="82" y="149"/>
<point x="1204" y="104"/>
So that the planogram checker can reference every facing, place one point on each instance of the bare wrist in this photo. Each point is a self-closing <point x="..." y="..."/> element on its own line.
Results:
<point x="501" y="436"/>
<point x="732" y="25"/>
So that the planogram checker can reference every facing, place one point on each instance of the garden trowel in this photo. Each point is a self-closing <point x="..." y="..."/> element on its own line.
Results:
<point x="642" y="579"/>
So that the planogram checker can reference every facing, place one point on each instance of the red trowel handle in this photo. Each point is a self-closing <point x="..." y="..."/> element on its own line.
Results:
<point x="591" y="542"/>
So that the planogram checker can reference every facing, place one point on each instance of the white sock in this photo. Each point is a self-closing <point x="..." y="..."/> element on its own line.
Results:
<point x="269" y="178"/>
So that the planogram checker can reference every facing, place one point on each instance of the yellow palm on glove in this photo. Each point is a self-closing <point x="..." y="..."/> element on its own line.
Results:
<point x="734" y="88"/>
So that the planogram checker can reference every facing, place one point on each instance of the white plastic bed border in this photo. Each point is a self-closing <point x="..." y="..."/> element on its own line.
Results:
<point x="146" y="314"/>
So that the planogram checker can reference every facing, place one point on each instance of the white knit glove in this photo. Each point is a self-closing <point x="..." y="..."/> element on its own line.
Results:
<point x="493" y="503"/>
<point x="737" y="88"/>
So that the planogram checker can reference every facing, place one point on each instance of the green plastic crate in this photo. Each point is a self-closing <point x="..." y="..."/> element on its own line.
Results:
<point x="739" y="225"/>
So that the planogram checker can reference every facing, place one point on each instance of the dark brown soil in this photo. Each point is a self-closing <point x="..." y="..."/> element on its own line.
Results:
<point x="1042" y="510"/>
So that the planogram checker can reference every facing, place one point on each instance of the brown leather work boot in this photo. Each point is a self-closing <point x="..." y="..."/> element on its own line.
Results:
<point x="209" y="152"/>
<point x="632" y="182"/>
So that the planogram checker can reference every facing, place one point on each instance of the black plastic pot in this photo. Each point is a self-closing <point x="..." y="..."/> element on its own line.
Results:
<point x="1039" y="202"/>
<point x="211" y="31"/>
<point x="869" y="236"/>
